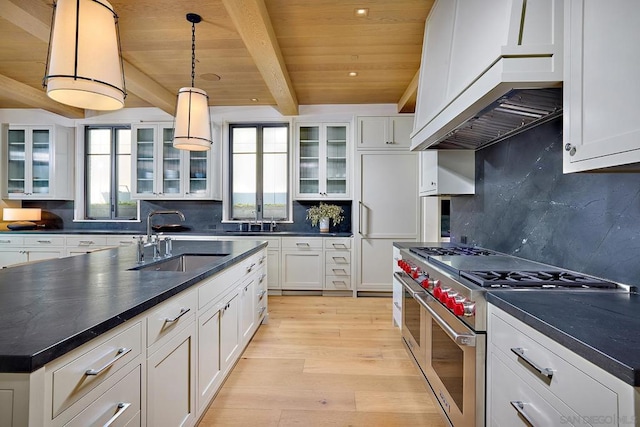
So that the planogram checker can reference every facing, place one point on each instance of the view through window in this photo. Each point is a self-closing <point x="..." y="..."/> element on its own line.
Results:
<point x="108" y="173"/>
<point x="259" y="170"/>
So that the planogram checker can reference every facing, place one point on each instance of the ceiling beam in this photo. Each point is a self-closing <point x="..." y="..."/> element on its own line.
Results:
<point x="252" y="22"/>
<point x="36" y="98"/>
<point x="407" y="102"/>
<point x="137" y="82"/>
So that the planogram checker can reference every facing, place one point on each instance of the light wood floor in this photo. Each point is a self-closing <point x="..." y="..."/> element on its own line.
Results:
<point x="325" y="361"/>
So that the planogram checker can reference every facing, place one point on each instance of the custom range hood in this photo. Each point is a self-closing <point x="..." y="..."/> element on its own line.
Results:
<point x="489" y="70"/>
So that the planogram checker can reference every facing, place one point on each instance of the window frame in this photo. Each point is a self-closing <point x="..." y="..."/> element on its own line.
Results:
<point x="228" y="188"/>
<point x="80" y="211"/>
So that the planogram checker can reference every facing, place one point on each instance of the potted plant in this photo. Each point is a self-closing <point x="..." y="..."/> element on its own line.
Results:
<point x="322" y="213"/>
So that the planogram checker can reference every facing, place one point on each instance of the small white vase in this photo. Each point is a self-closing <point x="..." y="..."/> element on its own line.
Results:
<point x="324" y="225"/>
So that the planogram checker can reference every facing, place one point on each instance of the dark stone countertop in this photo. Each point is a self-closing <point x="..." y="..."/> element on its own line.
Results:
<point x="602" y="327"/>
<point x="49" y="308"/>
<point x="216" y="233"/>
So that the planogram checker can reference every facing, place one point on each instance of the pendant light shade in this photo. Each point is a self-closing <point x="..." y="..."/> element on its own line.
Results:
<point x="192" y="126"/>
<point x="84" y="66"/>
<point x="192" y="130"/>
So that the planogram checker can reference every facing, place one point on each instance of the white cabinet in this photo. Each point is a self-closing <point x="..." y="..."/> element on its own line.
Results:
<point x="38" y="162"/>
<point x="398" y="291"/>
<point x="229" y="331"/>
<point x="171" y="381"/>
<point x="446" y="172"/>
<point x="337" y="256"/>
<point x="380" y="132"/>
<point x="248" y="296"/>
<point x="387" y="212"/>
<point x="77" y="245"/>
<point x="530" y="375"/>
<point x="601" y="100"/>
<point x="323" y="168"/>
<point x="302" y="264"/>
<point x="161" y="171"/>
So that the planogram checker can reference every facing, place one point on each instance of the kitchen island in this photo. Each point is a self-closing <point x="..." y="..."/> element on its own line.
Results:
<point x="79" y="332"/>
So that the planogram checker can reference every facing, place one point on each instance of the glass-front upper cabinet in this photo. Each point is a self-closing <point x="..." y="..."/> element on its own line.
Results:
<point x="323" y="161"/>
<point x="164" y="172"/>
<point x="39" y="162"/>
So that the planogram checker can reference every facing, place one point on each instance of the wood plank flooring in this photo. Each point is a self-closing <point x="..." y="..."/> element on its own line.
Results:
<point x="325" y="361"/>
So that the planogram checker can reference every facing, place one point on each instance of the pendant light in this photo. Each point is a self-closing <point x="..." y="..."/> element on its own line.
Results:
<point x="84" y="65"/>
<point x="192" y="128"/>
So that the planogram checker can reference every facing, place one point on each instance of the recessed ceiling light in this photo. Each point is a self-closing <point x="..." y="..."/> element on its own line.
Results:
<point x="352" y="73"/>
<point x="362" y="12"/>
<point x="210" y="77"/>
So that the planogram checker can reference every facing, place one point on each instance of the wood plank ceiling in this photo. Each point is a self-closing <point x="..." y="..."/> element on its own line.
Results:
<point x="282" y="53"/>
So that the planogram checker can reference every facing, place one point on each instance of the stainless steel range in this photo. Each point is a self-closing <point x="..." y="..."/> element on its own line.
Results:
<point x="445" y="315"/>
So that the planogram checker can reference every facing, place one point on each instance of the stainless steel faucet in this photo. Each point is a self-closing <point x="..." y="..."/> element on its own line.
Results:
<point x="151" y="215"/>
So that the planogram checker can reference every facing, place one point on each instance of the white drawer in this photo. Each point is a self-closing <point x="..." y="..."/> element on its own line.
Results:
<point x="74" y="380"/>
<point x="44" y="241"/>
<point x="302" y="243"/>
<point x="121" y="240"/>
<point x="217" y="285"/>
<point x="7" y="240"/>
<point x="337" y="243"/>
<point x="337" y="270"/>
<point x="86" y="241"/>
<point x="594" y="398"/>
<point x="170" y="316"/>
<point x="337" y="282"/>
<point x="337" y="258"/>
<point x="506" y="387"/>
<point x="120" y="404"/>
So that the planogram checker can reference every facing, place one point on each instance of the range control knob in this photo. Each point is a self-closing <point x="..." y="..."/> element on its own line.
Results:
<point x="451" y="299"/>
<point x="469" y="308"/>
<point x="430" y="283"/>
<point x="415" y="273"/>
<point x="437" y="291"/>
<point x="443" y="297"/>
<point x="458" y="305"/>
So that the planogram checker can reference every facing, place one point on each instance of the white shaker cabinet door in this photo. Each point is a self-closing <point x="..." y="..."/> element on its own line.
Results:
<point x="389" y="204"/>
<point x="601" y="90"/>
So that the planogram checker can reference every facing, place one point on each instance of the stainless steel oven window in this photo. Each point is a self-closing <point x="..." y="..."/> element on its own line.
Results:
<point x="411" y="315"/>
<point x="447" y="360"/>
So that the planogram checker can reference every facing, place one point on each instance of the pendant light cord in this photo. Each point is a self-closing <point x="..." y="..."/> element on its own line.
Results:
<point x="193" y="53"/>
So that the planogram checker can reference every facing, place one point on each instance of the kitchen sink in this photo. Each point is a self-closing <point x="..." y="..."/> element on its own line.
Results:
<point x="183" y="263"/>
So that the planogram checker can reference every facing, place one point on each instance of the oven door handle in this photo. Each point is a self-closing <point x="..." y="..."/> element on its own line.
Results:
<point x="463" y="340"/>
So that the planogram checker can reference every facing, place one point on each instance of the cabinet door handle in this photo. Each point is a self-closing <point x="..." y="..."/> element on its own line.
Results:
<point x="120" y="354"/>
<point x="397" y="305"/>
<point x="122" y="407"/>
<point x="361" y="132"/>
<point x="519" y="407"/>
<point x="393" y="131"/>
<point x="262" y="278"/>
<point x="362" y="228"/>
<point x="547" y="372"/>
<point x="183" y="311"/>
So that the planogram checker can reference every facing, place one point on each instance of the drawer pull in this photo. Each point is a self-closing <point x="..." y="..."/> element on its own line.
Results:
<point x="85" y="243"/>
<point x="339" y="283"/>
<point x="262" y="309"/>
<point x="302" y="244"/>
<point x="547" y="372"/>
<point x="339" y="246"/>
<point x="519" y="406"/>
<point x="119" y="355"/>
<point x="339" y="260"/>
<point x="44" y="241"/>
<point x="125" y="242"/>
<point x="253" y="264"/>
<point x="397" y="305"/>
<point x="262" y="258"/>
<point x="261" y="294"/>
<point x="5" y="241"/>
<point x="122" y="407"/>
<point x="183" y="311"/>
<point x="339" y="271"/>
<point x="262" y="278"/>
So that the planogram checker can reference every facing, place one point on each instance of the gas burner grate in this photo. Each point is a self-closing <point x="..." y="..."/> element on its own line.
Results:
<point x="535" y="279"/>
<point x="451" y="250"/>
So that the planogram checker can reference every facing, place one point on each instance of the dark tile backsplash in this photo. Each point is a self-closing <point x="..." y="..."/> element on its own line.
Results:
<point x="205" y="216"/>
<point x="524" y="205"/>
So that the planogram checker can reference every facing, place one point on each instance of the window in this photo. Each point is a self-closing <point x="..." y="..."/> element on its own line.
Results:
<point x="108" y="174"/>
<point x="259" y="165"/>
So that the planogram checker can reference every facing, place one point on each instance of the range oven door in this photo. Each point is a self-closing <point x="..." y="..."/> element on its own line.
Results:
<point x="413" y="318"/>
<point x="454" y="364"/>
